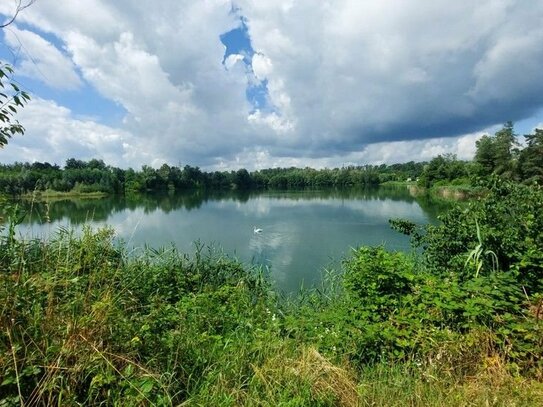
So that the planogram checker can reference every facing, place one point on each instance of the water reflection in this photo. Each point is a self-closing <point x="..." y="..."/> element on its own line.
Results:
<point x="303" y="231"/>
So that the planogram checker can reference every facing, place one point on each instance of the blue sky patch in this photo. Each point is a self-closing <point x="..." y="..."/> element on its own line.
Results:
<point x="85" y="102"/>
<point x="238" y="42"/>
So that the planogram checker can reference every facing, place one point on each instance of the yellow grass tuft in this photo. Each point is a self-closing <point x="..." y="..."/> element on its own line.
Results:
<point x="326" y="378"/>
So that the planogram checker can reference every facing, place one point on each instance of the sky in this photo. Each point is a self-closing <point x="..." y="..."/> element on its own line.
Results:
<point x="225" y="84"/>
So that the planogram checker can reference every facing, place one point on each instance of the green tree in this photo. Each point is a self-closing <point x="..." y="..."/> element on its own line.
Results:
<point x="531" y="157"/>
<point x="506" y="150"/>
<point x="11" y="96"/>
<point x="485" y="155"/>
<point x="242" y="179"/>
<point x="443" y="168"/>
<point x="498" y="154"/>
<point x="11" y="99"/>
<point x="73" y="164"/>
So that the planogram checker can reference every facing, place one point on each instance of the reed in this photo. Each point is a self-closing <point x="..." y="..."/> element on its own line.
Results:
<point x="84" y="322"/>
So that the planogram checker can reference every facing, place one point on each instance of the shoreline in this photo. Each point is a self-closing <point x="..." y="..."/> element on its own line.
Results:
<point x="43" y="195"/>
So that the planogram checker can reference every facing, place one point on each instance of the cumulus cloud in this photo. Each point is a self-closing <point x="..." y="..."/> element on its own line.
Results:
<point x="41" y="60"/>
<point x="53" y="134"/>
<point x="347" y="81"/>
<point x="358" y="72"/>
<point x="375" y="154"/>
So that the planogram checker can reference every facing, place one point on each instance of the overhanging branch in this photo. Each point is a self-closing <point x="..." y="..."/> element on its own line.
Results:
<point x="20" y="7"/>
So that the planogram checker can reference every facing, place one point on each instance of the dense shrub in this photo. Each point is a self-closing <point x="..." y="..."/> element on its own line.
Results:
<point x="84" y="323"/>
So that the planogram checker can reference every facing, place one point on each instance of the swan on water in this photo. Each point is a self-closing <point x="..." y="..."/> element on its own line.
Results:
<point x="256" y="230"/>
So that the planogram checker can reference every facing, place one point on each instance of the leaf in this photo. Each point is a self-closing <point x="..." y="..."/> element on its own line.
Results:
<point x="128" y="370"/>
<point x="146" y="386"/>
<point x="8" y="380"/>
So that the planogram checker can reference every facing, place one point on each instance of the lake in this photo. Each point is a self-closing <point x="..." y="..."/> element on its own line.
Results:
<point x="303" y="232"/>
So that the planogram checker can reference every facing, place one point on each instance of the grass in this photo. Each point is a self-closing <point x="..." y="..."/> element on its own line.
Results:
<point x="397" y="183"/>
<point x="49" y="193"/>
<point x="447" y="193"/>
<point x="401" y="385"/>
<point x="84" y="323"/>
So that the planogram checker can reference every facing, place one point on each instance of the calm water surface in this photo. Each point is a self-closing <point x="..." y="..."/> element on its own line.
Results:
<point x="303" y="232"/>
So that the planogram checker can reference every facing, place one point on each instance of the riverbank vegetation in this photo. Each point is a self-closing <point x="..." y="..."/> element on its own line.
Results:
<point x="95" y="176"/>
<point x="500" y="154"/>
<point x="459" y="321"/>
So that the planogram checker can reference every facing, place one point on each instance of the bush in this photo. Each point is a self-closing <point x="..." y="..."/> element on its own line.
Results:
<point x="84" y="323"/>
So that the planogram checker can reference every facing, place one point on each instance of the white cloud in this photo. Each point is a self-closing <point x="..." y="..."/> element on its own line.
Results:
<point x="277" y="123"/>
<point x="128" y="74"/>
<point x="232" y="60"/>
<point x="53" y="134"/>
<point x="347" y="81"/>
<point x="95" y="17"/>
<point x="41" y="60"/>
<point x="262" y="66"/>
<point x="361" y="71"/>
<point x="375" y="154"/>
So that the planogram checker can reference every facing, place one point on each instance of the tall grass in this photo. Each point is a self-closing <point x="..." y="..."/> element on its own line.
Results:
<point x="83" y="323"/>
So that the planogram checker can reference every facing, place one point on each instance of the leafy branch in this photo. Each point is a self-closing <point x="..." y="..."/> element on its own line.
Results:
<point x="11" y="99"/>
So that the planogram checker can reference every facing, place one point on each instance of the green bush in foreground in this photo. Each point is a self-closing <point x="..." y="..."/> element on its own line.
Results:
<point x="83" y="323"/>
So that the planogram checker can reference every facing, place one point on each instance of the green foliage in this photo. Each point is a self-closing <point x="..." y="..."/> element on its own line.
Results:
<point x="378" y="280"/>
<point x="501" y="155"/>
<point x="509" y="221"/>
<point x="485" y="155"/>
<point x="12" y="98"/>
<point x="84" y="323"/>
<point x="475" y="256"/>
<point x="95" y="176"/>
<point x="478" y="271"/>
<point x="531" y="158"/>
<point x="92" y="326"/>
<point x="482" y="266"/>
<point x="443" y="169"/>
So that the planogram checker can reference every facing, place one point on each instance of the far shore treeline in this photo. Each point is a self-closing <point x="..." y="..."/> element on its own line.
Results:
<point x="499" y="154"/>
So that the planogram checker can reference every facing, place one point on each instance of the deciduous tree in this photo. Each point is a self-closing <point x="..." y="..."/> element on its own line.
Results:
<point x="11" y="99"/>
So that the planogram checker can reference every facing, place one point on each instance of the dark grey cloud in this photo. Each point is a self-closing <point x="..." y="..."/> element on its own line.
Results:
<point x="343" y="78"/>
<point x="371" y="72"/>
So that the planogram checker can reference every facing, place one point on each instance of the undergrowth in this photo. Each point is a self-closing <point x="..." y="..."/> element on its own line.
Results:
<point x="83" y="323"/>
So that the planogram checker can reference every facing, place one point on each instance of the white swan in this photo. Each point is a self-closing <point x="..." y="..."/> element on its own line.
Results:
<point x="256" y="230"/>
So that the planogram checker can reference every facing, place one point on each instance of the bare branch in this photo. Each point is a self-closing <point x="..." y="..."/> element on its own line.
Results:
<point x="20" y="7"/>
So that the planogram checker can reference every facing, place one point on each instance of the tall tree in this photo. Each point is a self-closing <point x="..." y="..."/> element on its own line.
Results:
<point x="506" y="150"/>
<point x="498" y="154"/>
<point x="531" y="157"/>
<point x="485" y="155"/>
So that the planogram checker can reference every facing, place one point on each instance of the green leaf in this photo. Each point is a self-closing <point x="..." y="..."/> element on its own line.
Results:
<point x="8" y="380"/>
<point x="146" y="386"/>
